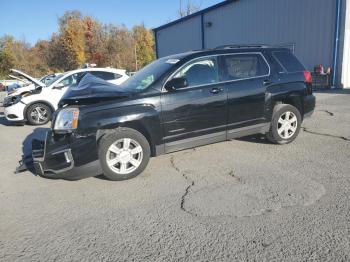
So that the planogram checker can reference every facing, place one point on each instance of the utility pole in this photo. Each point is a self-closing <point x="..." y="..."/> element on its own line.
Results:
<point x="135" y="52"/>
<point x="180" y="7"/>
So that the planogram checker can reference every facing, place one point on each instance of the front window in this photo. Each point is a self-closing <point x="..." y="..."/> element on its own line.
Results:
<point x="53" y="80"/>
<point x="202" y="71"/>
<point x="149" y="74"/>
<point x="70" y="80"/>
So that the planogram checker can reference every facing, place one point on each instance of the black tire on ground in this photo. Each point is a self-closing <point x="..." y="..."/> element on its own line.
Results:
<point x="31" y="108"/>
<point x="279" y="110"/>
<point x="109" y="139"/>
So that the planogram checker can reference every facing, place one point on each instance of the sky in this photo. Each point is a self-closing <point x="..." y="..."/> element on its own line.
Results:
<point x="31" y="20"/>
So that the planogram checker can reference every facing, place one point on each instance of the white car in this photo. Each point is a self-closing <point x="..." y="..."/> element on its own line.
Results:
<point x="36" y="103"/>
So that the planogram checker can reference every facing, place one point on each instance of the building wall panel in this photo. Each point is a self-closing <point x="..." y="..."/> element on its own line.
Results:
<point x="180" y="37"/>
<point x="308" y="24"/>
<point x="345" y="77"/>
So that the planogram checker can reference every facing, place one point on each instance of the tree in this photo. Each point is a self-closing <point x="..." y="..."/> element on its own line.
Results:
<point x="72" y="37"/>
<point x="144" y="46"/>
<point x="56" y="53"/>
<point x="15" y="52"/>
<point x="67" y="16"/>
<point x="6" y="57"/>
<point x="118" y="46"/>
<point x="38" y="59"/>
<point x="5" y="64"/>
<point x="188" y="9"/>
<point x="80" y="39"/>
<point x="94" y="38"/>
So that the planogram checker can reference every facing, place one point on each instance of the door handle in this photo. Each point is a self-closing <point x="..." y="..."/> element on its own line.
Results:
<point x="267" y="82"/>
<point x="216" y="90"/>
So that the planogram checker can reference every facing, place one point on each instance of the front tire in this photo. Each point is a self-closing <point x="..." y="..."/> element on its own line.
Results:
<point x="285" y="124"/>
<point x="38" y="114"/>
<point x="123" y="154"/>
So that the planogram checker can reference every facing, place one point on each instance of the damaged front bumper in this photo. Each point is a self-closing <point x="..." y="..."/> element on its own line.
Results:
<point x="66" y="156"/>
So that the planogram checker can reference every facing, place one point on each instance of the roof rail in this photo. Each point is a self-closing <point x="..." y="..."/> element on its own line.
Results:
<point x="241" y="46"/>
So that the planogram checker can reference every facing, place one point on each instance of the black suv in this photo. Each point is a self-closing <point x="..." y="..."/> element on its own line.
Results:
<point x="177" y="102"/>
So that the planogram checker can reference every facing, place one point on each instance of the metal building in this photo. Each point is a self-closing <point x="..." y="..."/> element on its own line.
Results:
<point x="318" y="31"/>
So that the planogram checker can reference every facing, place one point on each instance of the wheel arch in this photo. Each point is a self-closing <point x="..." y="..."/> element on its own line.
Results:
<point x="37" y="102"/>
<point x="139" y="127"/>
<point x="294" y="99"/>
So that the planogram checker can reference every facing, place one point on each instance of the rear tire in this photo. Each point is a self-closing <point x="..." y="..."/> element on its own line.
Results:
<point x="123" y="154"/>
<point x="38" y="114"/>
<point x="285" y="124"/>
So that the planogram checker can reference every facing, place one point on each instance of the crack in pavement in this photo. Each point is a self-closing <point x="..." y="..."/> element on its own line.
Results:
<point x="232" y="174"/>
<point x="187" y="190"/>
<point x="305" y="129"/>
<point x="266" y="245"/>
<point x="326" y="111"/>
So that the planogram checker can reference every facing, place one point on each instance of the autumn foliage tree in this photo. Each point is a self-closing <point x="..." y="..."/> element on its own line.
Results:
<point x="80" y="39"/>
<point x="72" y="37"/>
<point x="144" y="45"/>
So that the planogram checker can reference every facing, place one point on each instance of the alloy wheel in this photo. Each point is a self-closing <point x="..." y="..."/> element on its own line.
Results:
<point x="39" y="114"/>
<point x="124" y="156"/>
<point x="287" y="125"/>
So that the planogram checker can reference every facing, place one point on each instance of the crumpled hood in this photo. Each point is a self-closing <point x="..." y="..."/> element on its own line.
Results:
<point x="92" y="89"/>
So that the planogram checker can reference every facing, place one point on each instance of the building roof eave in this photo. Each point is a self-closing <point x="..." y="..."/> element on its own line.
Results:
<point x="201" y="12"/>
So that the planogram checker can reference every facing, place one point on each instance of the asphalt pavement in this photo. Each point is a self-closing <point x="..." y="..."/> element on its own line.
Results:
<point x="241" y="200"/>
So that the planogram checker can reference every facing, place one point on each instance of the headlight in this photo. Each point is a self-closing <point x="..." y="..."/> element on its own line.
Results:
<point x="11" y="100"/>
<point x="67" y="119"/>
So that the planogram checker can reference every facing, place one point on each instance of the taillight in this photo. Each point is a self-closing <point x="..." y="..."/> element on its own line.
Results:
<point x="307" y="76"/>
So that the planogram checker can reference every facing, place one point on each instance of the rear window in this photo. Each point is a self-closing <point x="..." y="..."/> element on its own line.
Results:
<point x="103" y="75"/>
<point x="288" y="61"/>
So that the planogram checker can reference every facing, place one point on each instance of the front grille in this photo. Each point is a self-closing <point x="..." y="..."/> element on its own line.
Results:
<point x="38" y="153"/>
<point x="38" y="149"/>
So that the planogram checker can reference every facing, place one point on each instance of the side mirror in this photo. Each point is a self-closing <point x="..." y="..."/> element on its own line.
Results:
<point x="59" y="86"/>
<point x="176" y="83"/>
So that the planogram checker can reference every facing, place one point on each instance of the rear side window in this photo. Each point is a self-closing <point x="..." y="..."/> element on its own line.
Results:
<point x="288" y="61"/>
<point x="242" y="66"/>
<point x="103" y="75"/>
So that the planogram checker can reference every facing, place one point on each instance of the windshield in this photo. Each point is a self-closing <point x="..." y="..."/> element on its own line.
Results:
<point x="147" y="75"/>
<point x="51" y="81"/>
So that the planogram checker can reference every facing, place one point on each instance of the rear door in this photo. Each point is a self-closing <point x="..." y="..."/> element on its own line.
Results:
<point x="246" y="77"/>
<point x="195" y="115"/>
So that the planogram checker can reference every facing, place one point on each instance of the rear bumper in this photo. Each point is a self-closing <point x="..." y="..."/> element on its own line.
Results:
<point x="66" y="156"/>
<point x="309" y="105"/>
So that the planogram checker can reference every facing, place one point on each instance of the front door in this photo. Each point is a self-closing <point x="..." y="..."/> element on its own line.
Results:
<point x="196" y="114"/>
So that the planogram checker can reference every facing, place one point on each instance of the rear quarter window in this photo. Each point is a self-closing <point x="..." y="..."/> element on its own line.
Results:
<point x="288" y="61"/>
